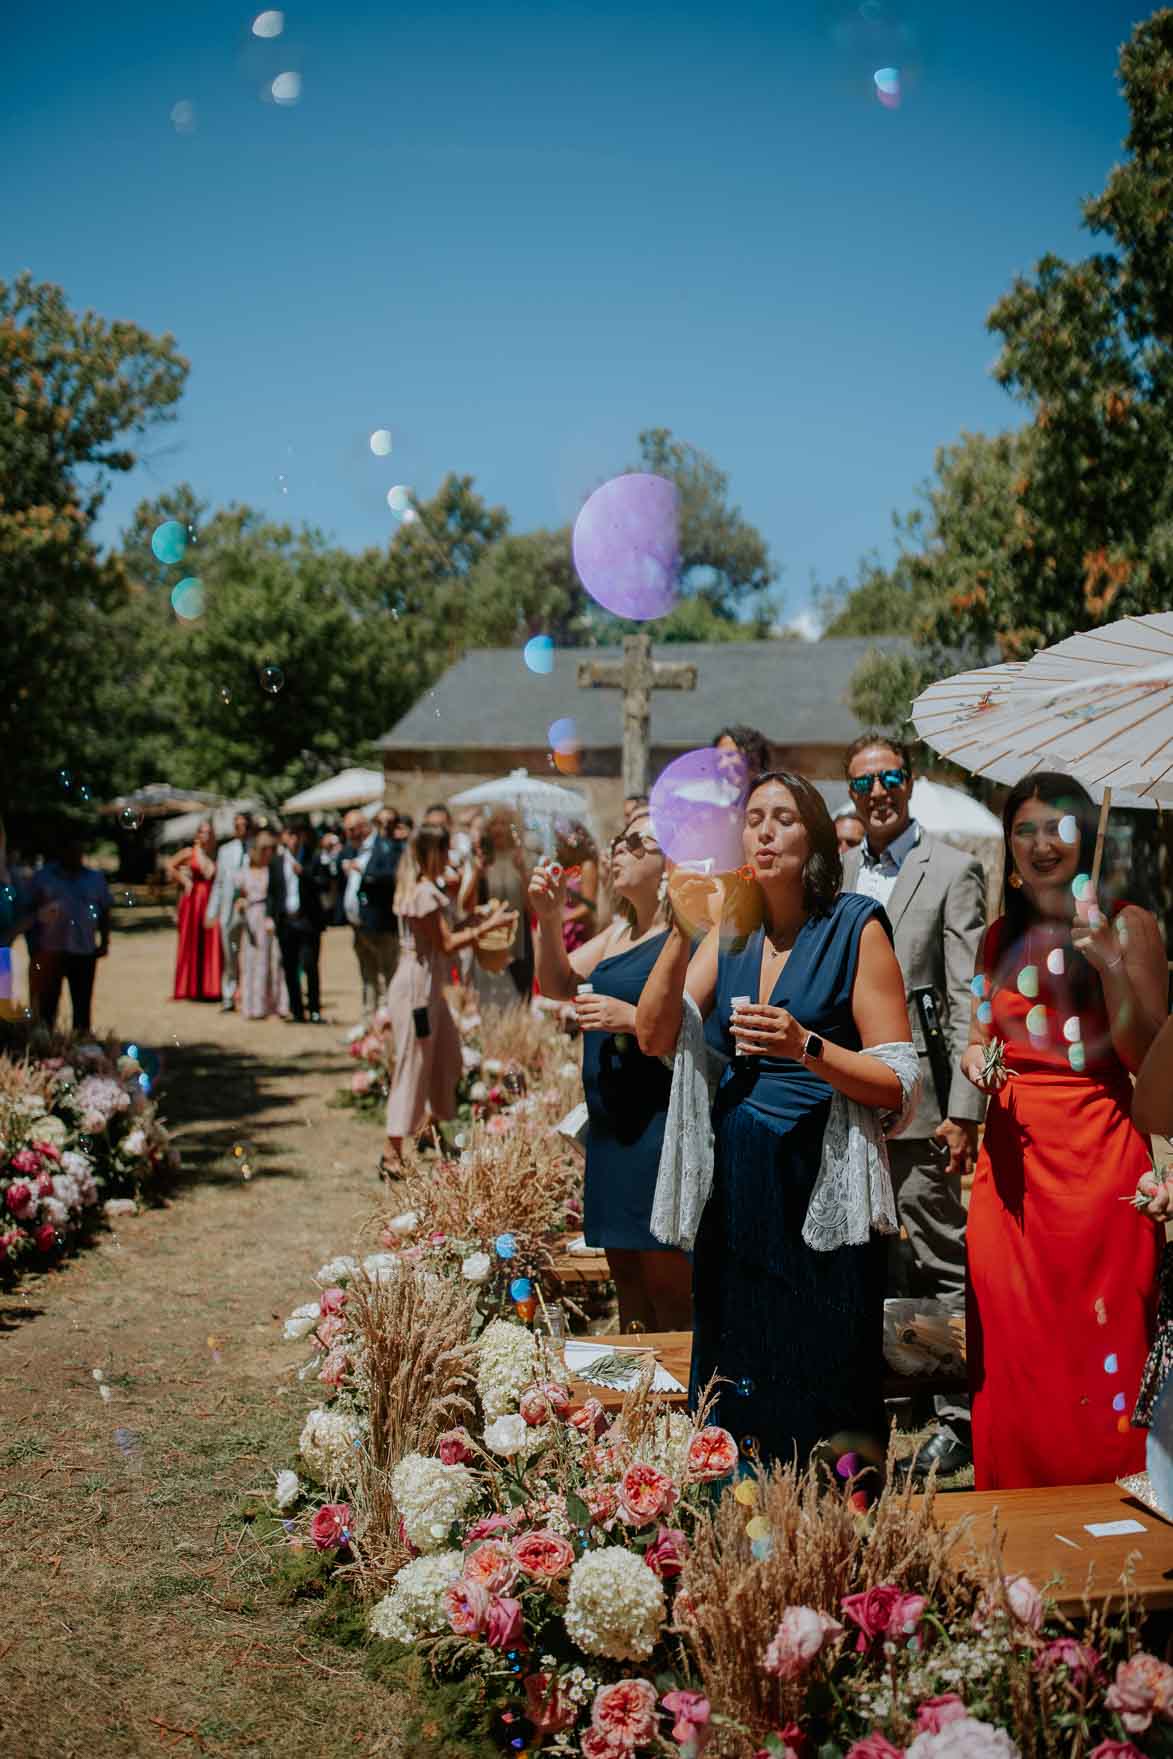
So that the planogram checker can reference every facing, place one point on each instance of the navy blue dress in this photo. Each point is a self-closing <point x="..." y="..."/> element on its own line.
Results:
<point x="797" y="1333"/>
<point x="627" y="1097"/>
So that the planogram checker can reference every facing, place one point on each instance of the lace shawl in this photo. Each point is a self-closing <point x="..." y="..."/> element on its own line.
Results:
<point x="853" y="1190"/>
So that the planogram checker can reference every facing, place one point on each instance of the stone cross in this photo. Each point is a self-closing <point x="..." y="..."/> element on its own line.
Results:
<point x="637" y="675"/>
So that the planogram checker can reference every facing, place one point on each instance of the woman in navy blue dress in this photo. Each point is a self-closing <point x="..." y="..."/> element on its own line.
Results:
<point x="794" y="1333"/>
<point x="626" y="1092"/>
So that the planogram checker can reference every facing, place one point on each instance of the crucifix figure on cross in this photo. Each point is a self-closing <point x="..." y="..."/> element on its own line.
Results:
<point x="637" y="675"/>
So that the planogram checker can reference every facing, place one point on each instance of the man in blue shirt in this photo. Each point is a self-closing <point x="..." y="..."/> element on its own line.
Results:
<point x="71" y="908"/>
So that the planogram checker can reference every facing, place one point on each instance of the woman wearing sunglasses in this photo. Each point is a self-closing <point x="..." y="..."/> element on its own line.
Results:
<point x="626" y="1092"/>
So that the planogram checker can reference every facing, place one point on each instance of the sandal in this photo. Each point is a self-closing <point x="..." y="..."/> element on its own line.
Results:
<point x="387" y="1170"/>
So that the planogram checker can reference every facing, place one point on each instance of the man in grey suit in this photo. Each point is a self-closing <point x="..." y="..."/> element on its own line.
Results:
<point x="935" y="897"/>
<point x="230" y="858"/>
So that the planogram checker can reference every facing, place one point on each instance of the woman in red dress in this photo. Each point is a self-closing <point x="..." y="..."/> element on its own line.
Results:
<point x="197" y="960"/>
<point x="1062" y="1269"/>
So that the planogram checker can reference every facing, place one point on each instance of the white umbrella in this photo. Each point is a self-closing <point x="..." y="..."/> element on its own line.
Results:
<point x="947" y="812"/>
<point x="349" y="788"/>
<point x="1098" y="706"/>
<point x="537" y="801"/>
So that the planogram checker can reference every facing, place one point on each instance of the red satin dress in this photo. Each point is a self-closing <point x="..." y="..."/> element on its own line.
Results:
<point x="1062" y="1285"/>
<point x="198" y="958"/>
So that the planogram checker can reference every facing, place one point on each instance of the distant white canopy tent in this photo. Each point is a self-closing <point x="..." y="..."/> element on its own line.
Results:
<point x="353" y="787"/>
<point x="182" y="829"/>
<point x="160" y="800"/>
<point x="537" y="802"/>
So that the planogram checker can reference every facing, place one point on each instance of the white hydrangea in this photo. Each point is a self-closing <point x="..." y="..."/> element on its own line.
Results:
<point x="381" y="1267"/>
<point x="505" y="1366"/>
<point x="81" y="1171"/>
<point x="134" y="1144"/>
<point x="119" y="1206"/>
<point x="302" y="1321"/>
<point x="967" y="1738"/>
<point x="288" y="1488"/>
<point x="66" y="1190"/>
<point x="476" y="1267"/>
<point x="53" y="1210"/>
<point x="327" y="1446"/>
<point x="666" y="1444"/>
<point x="616" y="1605"/>
<point x="52" y="1130"/>
<point x="415" y="1606"/>
<point x="406" y="1223"/>
<point x="430" y="1496"/>
<point x="506" y="1435"/>
<point x="337" y="1270"/>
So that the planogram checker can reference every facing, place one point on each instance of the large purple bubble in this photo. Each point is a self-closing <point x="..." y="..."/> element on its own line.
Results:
<point x="627" y="546"/>
<point x="697" y="805"/>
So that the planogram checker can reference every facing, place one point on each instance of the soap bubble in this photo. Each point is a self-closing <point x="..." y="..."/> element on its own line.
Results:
<point x="1112" y="1363"/>
<point x="381" y="442"/>
<point x="538" y="654"/>
<point x="757" y="1527"/>
<point x="1036" y="1022"/>
<point x="286" y="88"/>
<point x="409" y="516"/>
<point x="627" y="546"/>
<point x="696" y="808"/>
<point x="1081" y="887"/>
<point x="131" y="818"/>
<point x="187" y="599"/>
<point x="563" y="736"/>
<point x="272" y="678"/>
<point x="750" y="1446"/>
<point x="1072" y="1030"/>
<point x="1119" y="1402"/>
<point x="1056" y="963"/>
<point x="980" y="985"/>
<point x="183" y="116"/>
<point x="225" y="694"/>
<point x="169" y="541"/>
<point x="1077" y="1057"/>
<point x="268" y="24"/>
<point x="745" y="1387"/>
<point x="985" y="1013"/>
<point x="1068" y="828"/>
<point x="887" y="84"/>
<point x="65" y="779"/>
<point x="1028" y="981"/>
<point x="399" y="500"/>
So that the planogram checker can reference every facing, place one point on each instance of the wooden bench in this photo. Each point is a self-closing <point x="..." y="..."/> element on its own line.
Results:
<point x="1044" y="1535"/>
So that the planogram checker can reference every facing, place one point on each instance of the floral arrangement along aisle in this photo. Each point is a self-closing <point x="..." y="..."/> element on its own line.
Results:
<point x="615" y="1587"/>
<point x="79" y="1137"/>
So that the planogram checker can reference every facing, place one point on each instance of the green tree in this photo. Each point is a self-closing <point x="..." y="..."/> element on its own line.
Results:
<point x="522" y="585"/>
<point x="74" y="391"/>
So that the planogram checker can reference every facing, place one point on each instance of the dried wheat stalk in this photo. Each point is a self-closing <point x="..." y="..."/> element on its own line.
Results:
<point x="503" y="1184"/>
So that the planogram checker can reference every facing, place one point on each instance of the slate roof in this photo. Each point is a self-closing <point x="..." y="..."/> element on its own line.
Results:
<point x="796" y="692"/>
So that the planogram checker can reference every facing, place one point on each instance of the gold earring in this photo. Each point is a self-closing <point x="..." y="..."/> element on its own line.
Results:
<point x="1016" y="880"/>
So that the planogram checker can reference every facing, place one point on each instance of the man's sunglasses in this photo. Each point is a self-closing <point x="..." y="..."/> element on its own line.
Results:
<point x="886" y="778"/>
<point x="635" y="844"/>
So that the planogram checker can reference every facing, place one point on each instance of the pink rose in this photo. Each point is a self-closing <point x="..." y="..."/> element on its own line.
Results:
<point x="800" y="1637"/>
<point x="1026" y="1603"/>
<point x="935" y="1713"/>
<point x="546" y="1705"/>
<point x="20" y="1202"/>
<point x="590" y="1419"/>
<point x="539" y="1403"/>
<point x="500" y="1124"/>
<point x="330" y="1329"/>
<point x="335" y="1368"/>
<point x="626" y="1712"/>
<point x="596" y="1745"/>
<point x="645" y="1493"/>
<point x="1142" y="1689"/>
<point x="1116" y="1750"/>
<point x="331" y="1302"/>
<point x="330" y="1527"/>
<point x="667" y="1554"/>
<point x="361" y="1082"/>
<point x="543" y="1555"/>
<point x="504" y="1627"/>
<point x="401" y="1532"/>
<point x="883" y="1611"/>
<point x="47" y="1151"/>
<point x="874" y="1746"/>
<point x="691" y="1713"/>
<point x="492" y="1524"/>
<point x="45" y="1237"/>
<point x="25" y="1161"/>
<point x="492" y="1564"/>
<point x="603" y="1502"/>
<point x="455" y="1447"/>
<point x="467" y="1606"/>
<point x="712" y="1453"/>
<point x="1080" y="1659"/>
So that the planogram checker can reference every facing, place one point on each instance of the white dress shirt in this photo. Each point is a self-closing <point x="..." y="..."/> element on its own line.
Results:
<point x="878" y="873"/>
<point x="354" y="879"/>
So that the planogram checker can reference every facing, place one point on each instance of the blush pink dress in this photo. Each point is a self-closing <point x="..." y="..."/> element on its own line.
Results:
<point x="426" y="1070"/>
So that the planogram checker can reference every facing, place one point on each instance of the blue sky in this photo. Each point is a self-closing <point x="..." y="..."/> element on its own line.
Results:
<point x="515" y="235"/>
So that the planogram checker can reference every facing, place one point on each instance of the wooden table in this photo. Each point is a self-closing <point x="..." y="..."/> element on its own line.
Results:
<point x="584" y="1268"/>
<point x="1029" y="1521"/>
<point x="673" y="1350"/>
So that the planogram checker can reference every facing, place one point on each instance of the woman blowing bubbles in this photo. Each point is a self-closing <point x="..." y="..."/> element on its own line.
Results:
<point x="793" y="1329"/>
<point x="626" y="1093"/>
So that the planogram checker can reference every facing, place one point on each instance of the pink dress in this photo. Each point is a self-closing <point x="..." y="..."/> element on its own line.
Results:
<point x="426" y="1070"/>
<point x="260" y="972"/>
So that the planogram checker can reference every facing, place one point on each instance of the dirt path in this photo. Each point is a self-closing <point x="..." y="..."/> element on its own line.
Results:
<point x="137" y="1621"/>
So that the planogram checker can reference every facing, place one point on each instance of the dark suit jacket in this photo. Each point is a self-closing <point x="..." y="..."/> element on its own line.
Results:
<point x="376" y="895"/>
<point x="310" y="912"/>
<point x="938" y="913"/>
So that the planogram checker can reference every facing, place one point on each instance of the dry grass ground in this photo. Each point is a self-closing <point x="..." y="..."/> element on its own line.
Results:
<point x="138" y="1619"/>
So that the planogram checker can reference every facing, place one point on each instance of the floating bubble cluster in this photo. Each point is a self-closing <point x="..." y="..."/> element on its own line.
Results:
<point x="169" y="541"/>
<point x="696" y="808"/>
<point x="538" y="654"/>
<point x="627" y="546"/>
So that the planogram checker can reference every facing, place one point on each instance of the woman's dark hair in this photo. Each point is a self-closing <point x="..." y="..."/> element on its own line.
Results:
<point x="753" y="746"/>
<point x="429" y="840"/>
<point x="822" y="877"/>
<point x="1067" y="796"/>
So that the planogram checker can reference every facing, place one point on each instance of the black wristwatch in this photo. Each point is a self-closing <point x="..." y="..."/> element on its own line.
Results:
<point x="813" y="1048"/>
